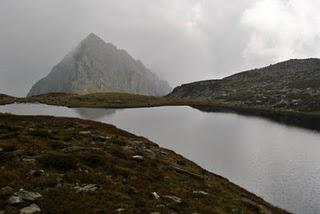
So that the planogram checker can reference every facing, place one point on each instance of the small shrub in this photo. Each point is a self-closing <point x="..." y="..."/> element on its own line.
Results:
<point x="56" y="145"/>
<point x="40" y="133"/>
<point x="93" y="160"/>
<point x="119" y="142"/>
<point x="58" y="162"/>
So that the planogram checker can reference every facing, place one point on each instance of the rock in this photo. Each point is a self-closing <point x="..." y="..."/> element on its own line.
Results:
<point x="85" y="132"/>
<point x="1" y="149"/>
<point x="87" y="188"/>
<point x="183" y="171"/>
<point x="73" y="149"/>
<point x="6" y="190"/>
<point x="150" y="154"/>
<point x="161" y="206"/>
<point x="101" y="138"/>
<point x="79" y="148"/>
<point x="173" y="198"/>
<point x="2" y="212"/>
<point x="35" y="173"/>
<point x="14" y="200"/>
<point x="28" y="196"/>
<point x="200" y="193"/>
<point x="29" y="160"/>
<point x="33" y="208"/>
<point x="138" y="157"/>
<point x="155" y="195"/>
<point x="154" y="213"/>
<point x="120" y="210"/>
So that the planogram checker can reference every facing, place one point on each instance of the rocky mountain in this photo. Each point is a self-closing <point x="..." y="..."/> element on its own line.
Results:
<point x="96" y="66"/>
<point x="293" y="84"/>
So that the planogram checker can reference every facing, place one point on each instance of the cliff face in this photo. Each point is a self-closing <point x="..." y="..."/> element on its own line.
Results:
<point x="293" y="84"/>
<point x="96" y="66"/>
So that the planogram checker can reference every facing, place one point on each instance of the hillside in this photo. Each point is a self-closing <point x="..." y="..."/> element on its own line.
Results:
<point x="95" y="66"/>
<point x="63" y="165"/>
<point x="293" y="84"/>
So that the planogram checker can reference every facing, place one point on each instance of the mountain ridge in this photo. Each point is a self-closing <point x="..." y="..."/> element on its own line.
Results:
<point x="292" y="84"/>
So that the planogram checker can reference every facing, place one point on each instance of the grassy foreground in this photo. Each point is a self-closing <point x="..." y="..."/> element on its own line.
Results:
<point x="80" y="166"/>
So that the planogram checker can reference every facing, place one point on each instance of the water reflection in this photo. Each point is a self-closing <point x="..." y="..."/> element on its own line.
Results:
<point x="277" y="162"/>
<point x="94" y="114"/>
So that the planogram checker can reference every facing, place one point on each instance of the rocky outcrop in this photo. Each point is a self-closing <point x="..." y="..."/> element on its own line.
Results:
<point x="96" y="66"/>
<point x="293" y="84"/>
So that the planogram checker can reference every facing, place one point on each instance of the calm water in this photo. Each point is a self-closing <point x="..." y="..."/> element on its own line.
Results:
<point x="279" y="163"/>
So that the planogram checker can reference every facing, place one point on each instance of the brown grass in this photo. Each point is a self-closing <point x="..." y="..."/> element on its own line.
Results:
<point x="123" y="181"/>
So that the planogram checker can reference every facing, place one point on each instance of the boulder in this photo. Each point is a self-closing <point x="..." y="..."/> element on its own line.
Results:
<point x="87" y="188"/>
<point x="15" y="200"/>
<point x="28" y="196"/>
<point x="33" y="208"/>
<point x="173" y="198"/>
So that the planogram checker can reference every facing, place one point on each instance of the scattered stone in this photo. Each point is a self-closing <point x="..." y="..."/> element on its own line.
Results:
<point x="164" y="152"/>
<point x="128" y="148"/>
<point x="73" y="149"/>
<point x="200" y="193"/>
<point x="86" y="188"/>
<point x="173" y="198"/>
<point x="59" y="185"/>
<point x="14" y="200"/>
<point x="28" y="196"/>
<point x="155" y="195"/>
<point x="151" y="154"/>
<point x="33" y="208"/>
<point x="161" y="206"/>
<point x="6" y="190"/>
<point x="35" y="173"/>
<point x="29" y="160"/>
<point x="1" y="149"/>
<point x="85" y="132"/>
<point x="101" y="138"/>
<point x="138" y="157"/>
<point x="137" y="142"/>
<point x="79" y="148"/>
<point x="120" y="210"/>
<point x="183" y="171"/>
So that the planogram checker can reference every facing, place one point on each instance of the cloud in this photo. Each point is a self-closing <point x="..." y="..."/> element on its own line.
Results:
<point x="180" y="40"/>
<point x="282" y="29"/>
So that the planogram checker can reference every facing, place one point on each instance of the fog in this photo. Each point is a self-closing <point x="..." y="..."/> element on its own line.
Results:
<point x="180" y="40"/>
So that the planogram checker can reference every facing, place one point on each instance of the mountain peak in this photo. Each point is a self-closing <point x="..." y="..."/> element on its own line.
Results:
<point x="92" y="36"/>
<point x="96" y="66"/>
<point x="95" y="41"/>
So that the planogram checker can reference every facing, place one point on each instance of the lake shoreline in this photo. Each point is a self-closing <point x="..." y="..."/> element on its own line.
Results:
<point x="308" y="120"/>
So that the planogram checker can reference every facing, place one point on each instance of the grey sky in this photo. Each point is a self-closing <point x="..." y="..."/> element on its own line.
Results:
<point x="180" y="40"/>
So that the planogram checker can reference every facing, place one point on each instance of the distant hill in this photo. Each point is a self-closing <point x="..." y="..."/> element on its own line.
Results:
<point x="96" y="66"/>
<point x="293" y="84"/>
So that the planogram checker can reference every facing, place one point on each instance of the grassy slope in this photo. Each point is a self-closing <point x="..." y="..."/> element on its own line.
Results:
<point x="5" y="99"/>
<point x="105" y="159"/>
<point x="105" y="100"/>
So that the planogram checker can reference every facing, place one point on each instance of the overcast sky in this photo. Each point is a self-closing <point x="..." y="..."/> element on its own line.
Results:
<point x="180" y="40"/>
